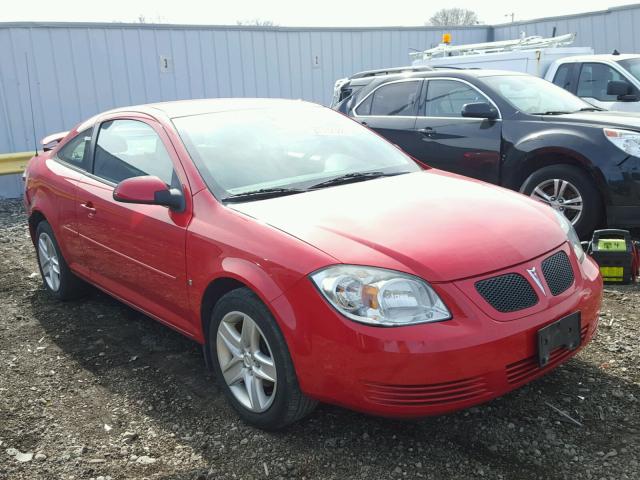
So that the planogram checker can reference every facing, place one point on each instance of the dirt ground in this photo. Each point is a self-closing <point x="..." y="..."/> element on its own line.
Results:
<point x="94" y="390"/>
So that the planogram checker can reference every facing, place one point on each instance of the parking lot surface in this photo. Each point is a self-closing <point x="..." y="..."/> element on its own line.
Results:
<point x="94" y="389"/>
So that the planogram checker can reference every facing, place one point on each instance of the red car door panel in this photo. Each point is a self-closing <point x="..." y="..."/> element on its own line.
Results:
<point x="136" y="252"/>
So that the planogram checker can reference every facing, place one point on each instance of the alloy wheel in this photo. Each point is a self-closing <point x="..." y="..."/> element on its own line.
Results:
<point x="562" y="196"/>
<point x="49" y="262"/>
<point x="246" y="361"/>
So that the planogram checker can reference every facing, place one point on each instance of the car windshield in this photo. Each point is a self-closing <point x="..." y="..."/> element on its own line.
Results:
<point x="632" y="65"/>
<point x="293" y="147"/>
<point x="534" y="95"/>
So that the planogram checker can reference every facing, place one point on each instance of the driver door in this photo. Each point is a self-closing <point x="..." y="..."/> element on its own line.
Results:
<point x="136" y="252"/>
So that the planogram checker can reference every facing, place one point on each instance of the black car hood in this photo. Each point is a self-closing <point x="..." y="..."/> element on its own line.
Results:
<point x="604" y="119"/>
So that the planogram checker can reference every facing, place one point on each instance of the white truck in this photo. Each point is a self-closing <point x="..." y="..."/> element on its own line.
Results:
<point x="607" y="81"/>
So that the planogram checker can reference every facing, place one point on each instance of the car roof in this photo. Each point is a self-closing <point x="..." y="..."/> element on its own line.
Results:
<point x="184" y="108"/>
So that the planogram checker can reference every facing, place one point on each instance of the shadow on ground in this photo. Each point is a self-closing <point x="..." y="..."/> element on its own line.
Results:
<point x="517" y="436"/>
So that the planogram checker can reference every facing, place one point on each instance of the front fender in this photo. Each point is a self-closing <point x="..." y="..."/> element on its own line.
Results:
<point x="541" y="148"/>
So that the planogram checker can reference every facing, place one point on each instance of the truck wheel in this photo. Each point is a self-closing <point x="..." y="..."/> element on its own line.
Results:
<point x="57" y="278"/>
<point x="569" y="190"/>
<point x="252" y="362"/>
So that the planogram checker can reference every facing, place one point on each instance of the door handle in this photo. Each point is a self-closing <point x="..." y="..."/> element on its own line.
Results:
<point x="363" y="123"/>
<point x="427" y="132"/>
<point x="88" y="206"/>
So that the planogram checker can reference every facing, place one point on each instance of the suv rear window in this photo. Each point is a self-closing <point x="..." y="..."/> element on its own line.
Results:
<point x="397" y="98"/>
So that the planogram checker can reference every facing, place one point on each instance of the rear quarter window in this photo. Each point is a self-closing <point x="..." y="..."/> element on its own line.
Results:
<point x="74" y="151"/>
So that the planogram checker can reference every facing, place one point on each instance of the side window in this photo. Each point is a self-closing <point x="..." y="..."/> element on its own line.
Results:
<point x="129" y="148"/>
<point x="445" y="98"/>
<point x="392" y="99"/>
<point x="593" y="81"/>
<point x="562" y="77"/>
<point x="73" y="152"/>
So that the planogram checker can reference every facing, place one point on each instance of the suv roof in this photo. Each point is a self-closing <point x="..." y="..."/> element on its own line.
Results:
<point x="346" y="87"/>
<point x="389" y="71"/>
<point x="431" y="72"/>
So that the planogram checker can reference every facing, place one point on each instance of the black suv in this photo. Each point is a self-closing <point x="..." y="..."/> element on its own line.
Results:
<point x="510" y="129"/>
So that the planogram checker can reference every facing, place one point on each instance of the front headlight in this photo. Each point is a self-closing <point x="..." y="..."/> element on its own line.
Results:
<point x="572" y="236"/>
<point x="626" y="140"/>
<point x="378" y="296"/>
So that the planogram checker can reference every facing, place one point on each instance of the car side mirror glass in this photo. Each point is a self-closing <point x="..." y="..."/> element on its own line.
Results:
<point x="622" y="90"/>
<point x="479" y="110"/>
<point x="148" y="190"/>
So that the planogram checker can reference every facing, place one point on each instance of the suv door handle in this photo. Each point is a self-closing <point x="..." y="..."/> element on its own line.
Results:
<point x="88" y="206"/>
<point x="428" y="131"/>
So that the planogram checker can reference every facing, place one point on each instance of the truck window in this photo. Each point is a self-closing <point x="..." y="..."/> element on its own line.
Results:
<point x="563" y="76"/>
<point x="593" y="81"/>
<point x="631" y="65"/>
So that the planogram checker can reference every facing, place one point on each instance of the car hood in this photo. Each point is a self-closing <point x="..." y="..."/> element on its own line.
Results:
<point x="434" y="224"/>
<point x="605" y="119"/>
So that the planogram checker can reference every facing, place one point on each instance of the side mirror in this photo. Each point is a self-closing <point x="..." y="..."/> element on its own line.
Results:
<point x="479" y="110"/>
<point x="148" y="190"/>
<point x="622" y="90"/>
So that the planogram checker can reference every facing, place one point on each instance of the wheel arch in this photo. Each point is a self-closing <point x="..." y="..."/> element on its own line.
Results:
<point x="238" y="273"/>
<point x="545" y="157"/>
<point x="34" y="219"/>
<point x="216" y="289"/>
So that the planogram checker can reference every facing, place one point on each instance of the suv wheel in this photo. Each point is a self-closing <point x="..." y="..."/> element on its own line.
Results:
<point x="56" y="276"/>
<point x="252" y="363"/>
<point x="570" y="191"/>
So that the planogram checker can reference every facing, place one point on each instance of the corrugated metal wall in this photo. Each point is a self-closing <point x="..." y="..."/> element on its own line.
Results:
<point x="604" y="31"/>
<point x="79" y="70"/>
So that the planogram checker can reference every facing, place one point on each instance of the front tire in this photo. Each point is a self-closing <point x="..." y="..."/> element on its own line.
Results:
<point x="58" y="279"/>
<point x="252" y="362"/>
<point x="569" y="190"/>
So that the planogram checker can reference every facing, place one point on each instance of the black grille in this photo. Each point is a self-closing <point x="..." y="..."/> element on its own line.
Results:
<point x="507" y="293"/>
<point x="558" y="273"/>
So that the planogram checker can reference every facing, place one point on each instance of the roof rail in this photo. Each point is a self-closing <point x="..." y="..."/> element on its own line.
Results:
<point x="389" y="71"/>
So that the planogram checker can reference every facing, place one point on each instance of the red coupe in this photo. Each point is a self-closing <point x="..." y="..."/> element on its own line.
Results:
<point x="313" y="260"/>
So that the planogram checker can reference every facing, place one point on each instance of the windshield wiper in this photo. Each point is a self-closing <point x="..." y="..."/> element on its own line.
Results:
<point x="352" y="177"/>
<point x="261" y="194"/>
<point x="590" y="109"/>
<point x="552" y="112"/>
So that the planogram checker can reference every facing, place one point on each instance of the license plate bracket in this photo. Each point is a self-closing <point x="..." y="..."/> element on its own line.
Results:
<point x="561" y="333"/>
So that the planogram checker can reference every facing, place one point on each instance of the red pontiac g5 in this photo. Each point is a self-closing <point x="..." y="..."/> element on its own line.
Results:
<point x="313" y="260"/>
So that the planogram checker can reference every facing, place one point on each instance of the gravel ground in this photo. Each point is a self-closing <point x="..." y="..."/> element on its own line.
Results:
<point x="94" y="390"/>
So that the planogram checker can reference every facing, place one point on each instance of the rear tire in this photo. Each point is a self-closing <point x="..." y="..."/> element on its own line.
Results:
<point x="574" y="188"/>
<point x="257" y="361"/>
<point x="58" y="279"/>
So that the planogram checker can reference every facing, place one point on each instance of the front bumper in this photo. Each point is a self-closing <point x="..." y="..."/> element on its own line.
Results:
<point x="432" y="368"/>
